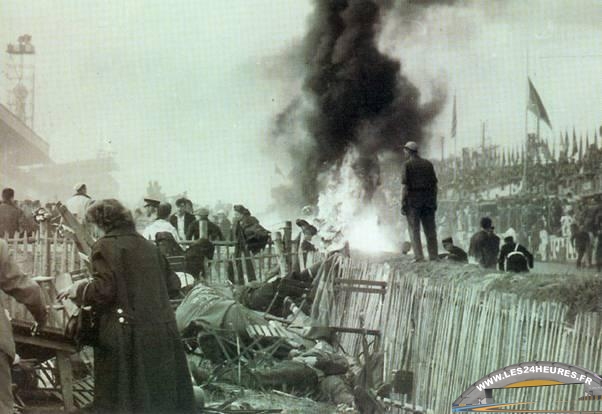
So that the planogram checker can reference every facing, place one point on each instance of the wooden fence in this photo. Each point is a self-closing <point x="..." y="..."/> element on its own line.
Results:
<point x="42" y="255"/>
<point x="52" y="255"/>
<point x="450" y="334"/>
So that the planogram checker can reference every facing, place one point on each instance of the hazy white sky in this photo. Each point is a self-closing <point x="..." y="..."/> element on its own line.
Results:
<point x="179" y="88"/>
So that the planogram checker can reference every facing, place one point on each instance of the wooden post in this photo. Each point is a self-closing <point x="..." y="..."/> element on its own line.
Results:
<point x="296" y="256"/>
<point x="66" y="378"/>
<point x="279" y="247"/>
<point x="288" y="237"/>
<point x="270" y="254"/>
<point x="55" y="255"/>
<point x="34" y="251"/>
<point x="46" y="256"/>
<point x="216" y="264"/>
<point x="64" y="256"/>
<point x="203" y="230"/>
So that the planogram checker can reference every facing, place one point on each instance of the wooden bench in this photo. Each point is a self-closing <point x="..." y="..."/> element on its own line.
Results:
<point x="49" y="344"/>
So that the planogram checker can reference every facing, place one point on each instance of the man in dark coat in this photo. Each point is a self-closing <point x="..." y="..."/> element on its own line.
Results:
<point x="419" y="200"/>
<point x="182" y="220"/>
<point x="250" y="238"/>
<point x="454" y="253"/>
<point x="485" y="245"/>
<point x="203" y="228"/>
<point x="139" y="363"/>
<point x="11" y="216"/>
<point x="581" y="242"/>
<point x="18" y="285"/>
<point x="514" y="257"/>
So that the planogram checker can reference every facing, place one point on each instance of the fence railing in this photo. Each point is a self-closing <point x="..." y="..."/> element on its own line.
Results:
<point x="44" y="254"/>
<point x="51" y="255"/>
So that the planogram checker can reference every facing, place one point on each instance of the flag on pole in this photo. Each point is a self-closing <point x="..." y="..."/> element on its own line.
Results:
<point x="535" y="105"/>
<point x="454" y="120"/>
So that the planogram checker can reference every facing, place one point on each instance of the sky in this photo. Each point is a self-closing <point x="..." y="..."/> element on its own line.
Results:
<point x="184" y="92"/>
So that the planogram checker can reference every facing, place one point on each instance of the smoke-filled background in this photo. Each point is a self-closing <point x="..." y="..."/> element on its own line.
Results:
<point x="354" y="97"/>
<point x="280" y="104"/>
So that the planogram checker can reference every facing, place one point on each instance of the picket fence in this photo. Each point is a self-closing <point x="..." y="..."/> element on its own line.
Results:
<point x="451" y="333"/>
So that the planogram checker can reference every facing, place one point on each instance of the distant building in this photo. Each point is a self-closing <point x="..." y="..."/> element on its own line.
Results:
<point x="26" y="166"/>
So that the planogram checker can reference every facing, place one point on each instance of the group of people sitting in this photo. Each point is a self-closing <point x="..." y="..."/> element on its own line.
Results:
<point x="485" y="250"/>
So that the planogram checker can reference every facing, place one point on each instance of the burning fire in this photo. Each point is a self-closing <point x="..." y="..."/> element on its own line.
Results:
<point x="348" y="215"/>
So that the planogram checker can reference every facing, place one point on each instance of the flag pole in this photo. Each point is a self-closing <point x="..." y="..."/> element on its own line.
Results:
<point x="524" y="180"/>
<point x="455" y="156"/>
<point x="454" y="138"/>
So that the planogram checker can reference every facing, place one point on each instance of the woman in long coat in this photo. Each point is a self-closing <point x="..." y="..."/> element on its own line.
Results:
<point x="139" y="362"/>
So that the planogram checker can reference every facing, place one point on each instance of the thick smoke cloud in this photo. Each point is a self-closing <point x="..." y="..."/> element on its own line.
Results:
<point x="353" y="96"/>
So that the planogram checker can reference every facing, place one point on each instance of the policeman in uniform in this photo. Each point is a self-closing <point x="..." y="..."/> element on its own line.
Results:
<point x="419" y="200"/>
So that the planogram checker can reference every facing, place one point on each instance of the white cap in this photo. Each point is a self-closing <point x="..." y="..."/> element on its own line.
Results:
<point x="411" y="146"/>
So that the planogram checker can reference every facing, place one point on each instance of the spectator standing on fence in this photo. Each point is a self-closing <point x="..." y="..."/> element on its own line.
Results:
<point x="11" y="216"/>
<point x="16" y="284"/>
<point x="419" y="201"/>
<point x="485" y="245"/>
<point x="182" y="219"/>
<point x="160" y="224"/>
<point x="79" y="202"/>
<point x="581" y="242"/>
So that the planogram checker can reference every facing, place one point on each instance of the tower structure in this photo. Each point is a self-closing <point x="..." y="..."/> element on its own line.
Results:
<point x="20" y="75"/>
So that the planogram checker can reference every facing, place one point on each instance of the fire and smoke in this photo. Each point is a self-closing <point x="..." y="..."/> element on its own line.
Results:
<point x="356" y="105"/>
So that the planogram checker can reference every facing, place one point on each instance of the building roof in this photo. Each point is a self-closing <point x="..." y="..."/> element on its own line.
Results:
<point x="21" y="142"/>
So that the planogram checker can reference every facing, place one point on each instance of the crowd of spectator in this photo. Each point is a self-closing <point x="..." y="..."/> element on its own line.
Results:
<point x="534" y="200"/>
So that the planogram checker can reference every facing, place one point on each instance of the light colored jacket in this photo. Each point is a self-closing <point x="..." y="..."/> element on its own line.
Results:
<point x="159" y="226"/>
<point x="18" y="285"/>
<point x="78" y="205"/>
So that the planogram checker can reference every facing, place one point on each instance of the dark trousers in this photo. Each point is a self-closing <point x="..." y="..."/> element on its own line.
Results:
<point x="580" y="254"/>
<point x="426" y="217"/>
<point x="6" y="392"/>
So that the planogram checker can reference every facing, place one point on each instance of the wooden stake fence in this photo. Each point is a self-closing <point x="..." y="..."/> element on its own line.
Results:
<point x="41" y="254"/>
<point x="452" y="333"/>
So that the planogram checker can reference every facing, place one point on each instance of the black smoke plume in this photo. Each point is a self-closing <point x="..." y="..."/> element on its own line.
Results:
<point x="353" y="96"/>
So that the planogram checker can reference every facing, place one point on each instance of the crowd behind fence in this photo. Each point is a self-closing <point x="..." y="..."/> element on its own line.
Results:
<point x="48" y="256"/>
<point x="448" y="333"/>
